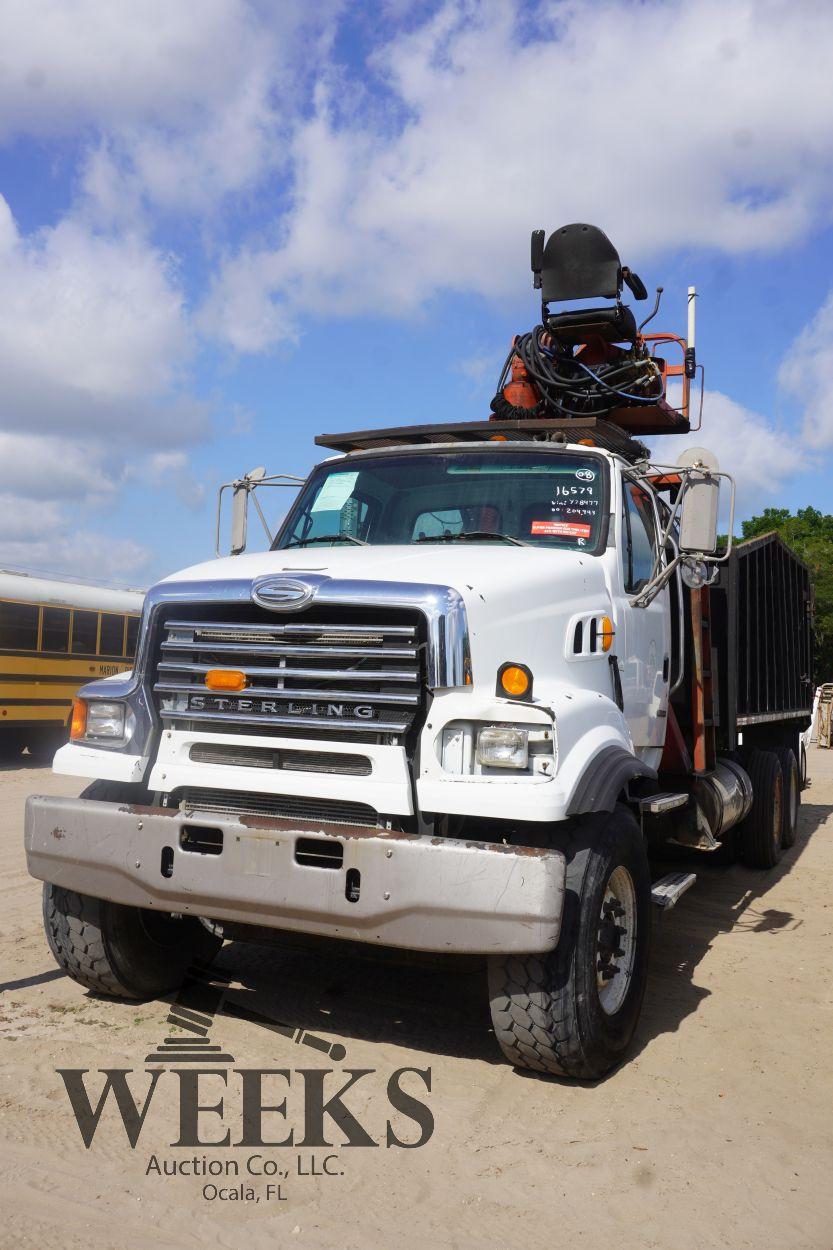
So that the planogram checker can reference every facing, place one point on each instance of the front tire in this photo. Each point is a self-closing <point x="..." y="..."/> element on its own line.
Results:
<point x="118" y="951"/>
<point x="572" y="1012"/>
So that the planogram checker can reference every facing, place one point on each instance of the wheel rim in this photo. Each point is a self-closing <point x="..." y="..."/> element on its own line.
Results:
<point x="616" y="941"/>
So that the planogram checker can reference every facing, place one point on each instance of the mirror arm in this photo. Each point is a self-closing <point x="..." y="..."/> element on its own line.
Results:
<point x="225" y="486"/>
<point x="660" y="578"/>
<point x="250" y="485"/>
<point x="648" y="594"/>
<point x="256" y="502"/>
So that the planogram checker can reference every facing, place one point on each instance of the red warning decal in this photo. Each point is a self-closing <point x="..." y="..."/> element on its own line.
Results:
<point x="567" y="529"/>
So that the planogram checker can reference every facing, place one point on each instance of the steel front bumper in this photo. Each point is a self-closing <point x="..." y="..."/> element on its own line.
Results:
<point x="415" y="892"/>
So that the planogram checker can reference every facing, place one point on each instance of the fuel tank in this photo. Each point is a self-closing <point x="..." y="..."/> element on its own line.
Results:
<point x="724" y="796"/>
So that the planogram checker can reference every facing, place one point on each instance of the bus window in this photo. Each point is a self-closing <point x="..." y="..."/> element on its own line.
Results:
<point x="19" y="626"/>
<point x="112" y="634"/>
<point x="132" y="635"/>
<point x="55" y="629"/>
<point x="84" y="632"/>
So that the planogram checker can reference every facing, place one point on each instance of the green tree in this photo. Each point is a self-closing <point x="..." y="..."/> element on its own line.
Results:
<point x="810" y="534"/>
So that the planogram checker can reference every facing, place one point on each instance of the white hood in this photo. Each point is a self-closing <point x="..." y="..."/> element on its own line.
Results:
<point x="477" y="567"/>
<point x="519" y="600"/>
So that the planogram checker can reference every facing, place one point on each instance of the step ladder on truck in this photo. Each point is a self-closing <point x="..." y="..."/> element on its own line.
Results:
<point x="482" y="671"/>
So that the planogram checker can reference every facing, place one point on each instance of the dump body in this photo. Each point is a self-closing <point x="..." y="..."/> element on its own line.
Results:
<point x="763" y="610"/>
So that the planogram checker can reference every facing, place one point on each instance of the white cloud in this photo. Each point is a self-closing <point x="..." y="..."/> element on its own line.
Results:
<point x="761" y="457"/>
<point x="20" y="518"/>
<point x="674" y="125"/>
<point x="806" y="373"/>
<point x="480" y="367"/>
<point x="171" y="469"/>
<point x="188" y="101"/>
<point x="94" y="336"/>
<point x="40" y="534"/>
<point x="80" y="553"/>
<point x="42" y="467"/>
<point x="94" y="350"/>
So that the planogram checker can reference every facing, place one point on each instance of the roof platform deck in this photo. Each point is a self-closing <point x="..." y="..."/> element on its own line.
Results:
<point x="589" y="430"/>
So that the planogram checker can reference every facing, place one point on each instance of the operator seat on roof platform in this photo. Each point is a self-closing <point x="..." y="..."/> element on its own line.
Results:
<point x="580" y="262"/>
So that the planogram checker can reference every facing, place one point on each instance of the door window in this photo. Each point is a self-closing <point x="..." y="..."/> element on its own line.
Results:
<point x="639" y="550"/>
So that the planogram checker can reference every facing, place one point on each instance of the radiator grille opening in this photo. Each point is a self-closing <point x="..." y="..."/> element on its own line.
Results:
<point x="242" y="803"/>
<point x="229" y="755"/>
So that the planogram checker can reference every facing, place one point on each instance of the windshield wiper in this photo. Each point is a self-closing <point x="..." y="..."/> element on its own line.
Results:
<point x="329" y="538"/>
<point x="467" y="535"/>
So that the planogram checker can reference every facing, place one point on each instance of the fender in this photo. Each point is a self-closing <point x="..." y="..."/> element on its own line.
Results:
<point x="602" y="779"/>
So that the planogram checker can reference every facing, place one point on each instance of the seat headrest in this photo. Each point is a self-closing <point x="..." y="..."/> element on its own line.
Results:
<point x="578" y="262"/>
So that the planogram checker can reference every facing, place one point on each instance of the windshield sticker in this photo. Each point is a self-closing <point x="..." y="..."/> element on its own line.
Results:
<point x="561" y="529"/>
<point x="335" y="492"/>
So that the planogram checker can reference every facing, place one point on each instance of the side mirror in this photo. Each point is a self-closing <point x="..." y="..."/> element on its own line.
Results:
<point x="698" y="510"/>
<point x="242" y="489"/>
<point x="240" y="508"/>
<point x="239" y="519"/>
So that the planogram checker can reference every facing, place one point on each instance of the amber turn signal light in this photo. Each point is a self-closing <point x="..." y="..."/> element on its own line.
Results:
<point x="606" y="633"/>
<point x="225" y="679"/>
<point x="514" y="681"/>
<point x="78" y="724"/>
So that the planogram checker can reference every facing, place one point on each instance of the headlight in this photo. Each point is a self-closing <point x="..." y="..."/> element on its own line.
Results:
<point x="503" y="748"/>
<point x="106" y="720"/>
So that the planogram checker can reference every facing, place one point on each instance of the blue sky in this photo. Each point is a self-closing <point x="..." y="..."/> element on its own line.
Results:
<point x="227" y="227"/>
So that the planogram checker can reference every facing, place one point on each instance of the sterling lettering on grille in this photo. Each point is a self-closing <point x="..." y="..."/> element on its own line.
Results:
<point x="270" y="707"/>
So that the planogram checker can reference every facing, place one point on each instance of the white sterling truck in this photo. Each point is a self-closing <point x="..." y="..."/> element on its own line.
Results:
<point x="482" y="671"/>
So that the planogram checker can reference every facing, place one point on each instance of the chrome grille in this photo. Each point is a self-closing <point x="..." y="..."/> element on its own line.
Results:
<point x="240" y="803"/>
<point x="321" y="678"/>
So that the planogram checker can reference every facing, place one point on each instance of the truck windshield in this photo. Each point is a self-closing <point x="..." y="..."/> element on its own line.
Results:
<point x="542" y="499"/>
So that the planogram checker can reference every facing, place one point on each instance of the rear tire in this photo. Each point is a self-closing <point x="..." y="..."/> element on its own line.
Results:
<point x="792" y="794"/>
<point x="567" y="1012"/>
<point x="803" y="767"/>
<point x="761" y="831"/>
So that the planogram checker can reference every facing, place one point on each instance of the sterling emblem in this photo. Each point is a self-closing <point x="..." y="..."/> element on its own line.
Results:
<point x="282" y="594"/>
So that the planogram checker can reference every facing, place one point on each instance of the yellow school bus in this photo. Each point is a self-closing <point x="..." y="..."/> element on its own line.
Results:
<point x="54" y="637"/>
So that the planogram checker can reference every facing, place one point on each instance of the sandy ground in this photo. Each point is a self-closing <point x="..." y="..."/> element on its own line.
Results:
<point x="716" y="1132"/>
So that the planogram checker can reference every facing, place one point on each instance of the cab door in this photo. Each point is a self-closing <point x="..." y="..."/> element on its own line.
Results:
<point x="643" y="634"/>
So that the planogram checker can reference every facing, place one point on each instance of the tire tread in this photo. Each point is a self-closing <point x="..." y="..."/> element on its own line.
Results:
<point x="533" y="1016"/>
<point x="72" y="923"/>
